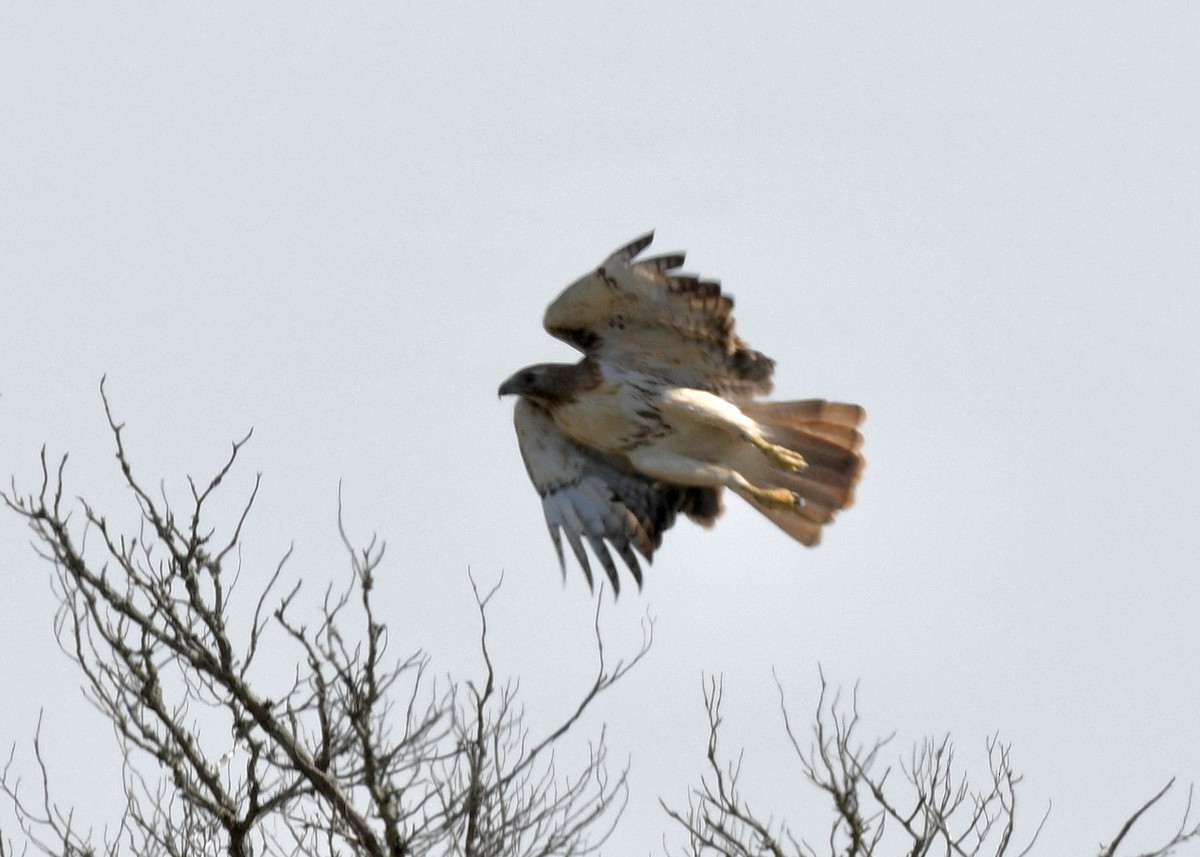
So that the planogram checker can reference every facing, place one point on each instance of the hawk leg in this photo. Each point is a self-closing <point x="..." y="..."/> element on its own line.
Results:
<point x="715" y="411"/>
<point x="681" y="470"/>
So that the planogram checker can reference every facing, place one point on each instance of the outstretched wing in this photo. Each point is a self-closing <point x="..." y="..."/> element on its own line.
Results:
<point x="647" y="316"/>
<point x="590" y="495"/>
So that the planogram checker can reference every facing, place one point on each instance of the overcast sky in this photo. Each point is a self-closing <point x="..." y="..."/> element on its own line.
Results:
<point x="340" y="224"/>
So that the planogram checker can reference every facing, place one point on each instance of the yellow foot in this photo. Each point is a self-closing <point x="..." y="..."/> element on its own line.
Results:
<point x="775" y="498"/>
<point x="781" y="456"/>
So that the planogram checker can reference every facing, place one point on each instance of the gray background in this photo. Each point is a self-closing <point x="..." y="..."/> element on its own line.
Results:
<point x="340" y="224"/>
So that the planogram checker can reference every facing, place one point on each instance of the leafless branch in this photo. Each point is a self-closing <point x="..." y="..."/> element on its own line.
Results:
<point x="718" y="821"/>
<point x="1186" y="832"/>
<point x="928" y="808"/>
<point x="362" y="753"/>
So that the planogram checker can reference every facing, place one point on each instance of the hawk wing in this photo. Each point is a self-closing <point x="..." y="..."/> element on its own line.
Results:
<point x="588" y="494"/>
<point x="647" y="316"/>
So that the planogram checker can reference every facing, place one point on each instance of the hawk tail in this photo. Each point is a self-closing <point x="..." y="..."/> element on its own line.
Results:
<point x="826" y="434"/>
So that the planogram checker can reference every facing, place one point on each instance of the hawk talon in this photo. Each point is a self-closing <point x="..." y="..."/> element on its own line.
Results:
<point x="775" y="498"/>
<point x="782" y="457"/>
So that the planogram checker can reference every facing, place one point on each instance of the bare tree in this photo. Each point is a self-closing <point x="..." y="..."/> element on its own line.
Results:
<point x="359" y="753"/>
<point x="933" y="810"/>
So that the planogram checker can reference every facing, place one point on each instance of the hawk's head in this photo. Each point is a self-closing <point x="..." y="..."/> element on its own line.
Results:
<point x="551" y="384"/>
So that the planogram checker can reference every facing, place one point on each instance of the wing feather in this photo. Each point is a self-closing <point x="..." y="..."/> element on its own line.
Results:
<point x="573" y="527"/>
<point x="591" y="496"/>
<point x="647" y="316"/>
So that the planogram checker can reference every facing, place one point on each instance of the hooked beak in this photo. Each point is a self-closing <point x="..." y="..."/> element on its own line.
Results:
<point x="508" y="388"/>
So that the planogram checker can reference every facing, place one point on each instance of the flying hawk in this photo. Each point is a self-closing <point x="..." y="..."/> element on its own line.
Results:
<point x="661" y="414"/>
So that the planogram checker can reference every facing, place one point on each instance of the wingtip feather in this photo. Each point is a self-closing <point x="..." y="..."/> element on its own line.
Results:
<point x="630" y="251"/>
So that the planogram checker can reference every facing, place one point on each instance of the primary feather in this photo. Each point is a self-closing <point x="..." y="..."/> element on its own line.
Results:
<point x="646" y="316"/>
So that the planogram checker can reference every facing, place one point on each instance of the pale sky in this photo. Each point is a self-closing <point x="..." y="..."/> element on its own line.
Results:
<point x="339" y="224"/>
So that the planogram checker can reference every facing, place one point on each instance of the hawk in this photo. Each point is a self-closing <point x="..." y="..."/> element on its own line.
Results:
<point x="662" y="413"/>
